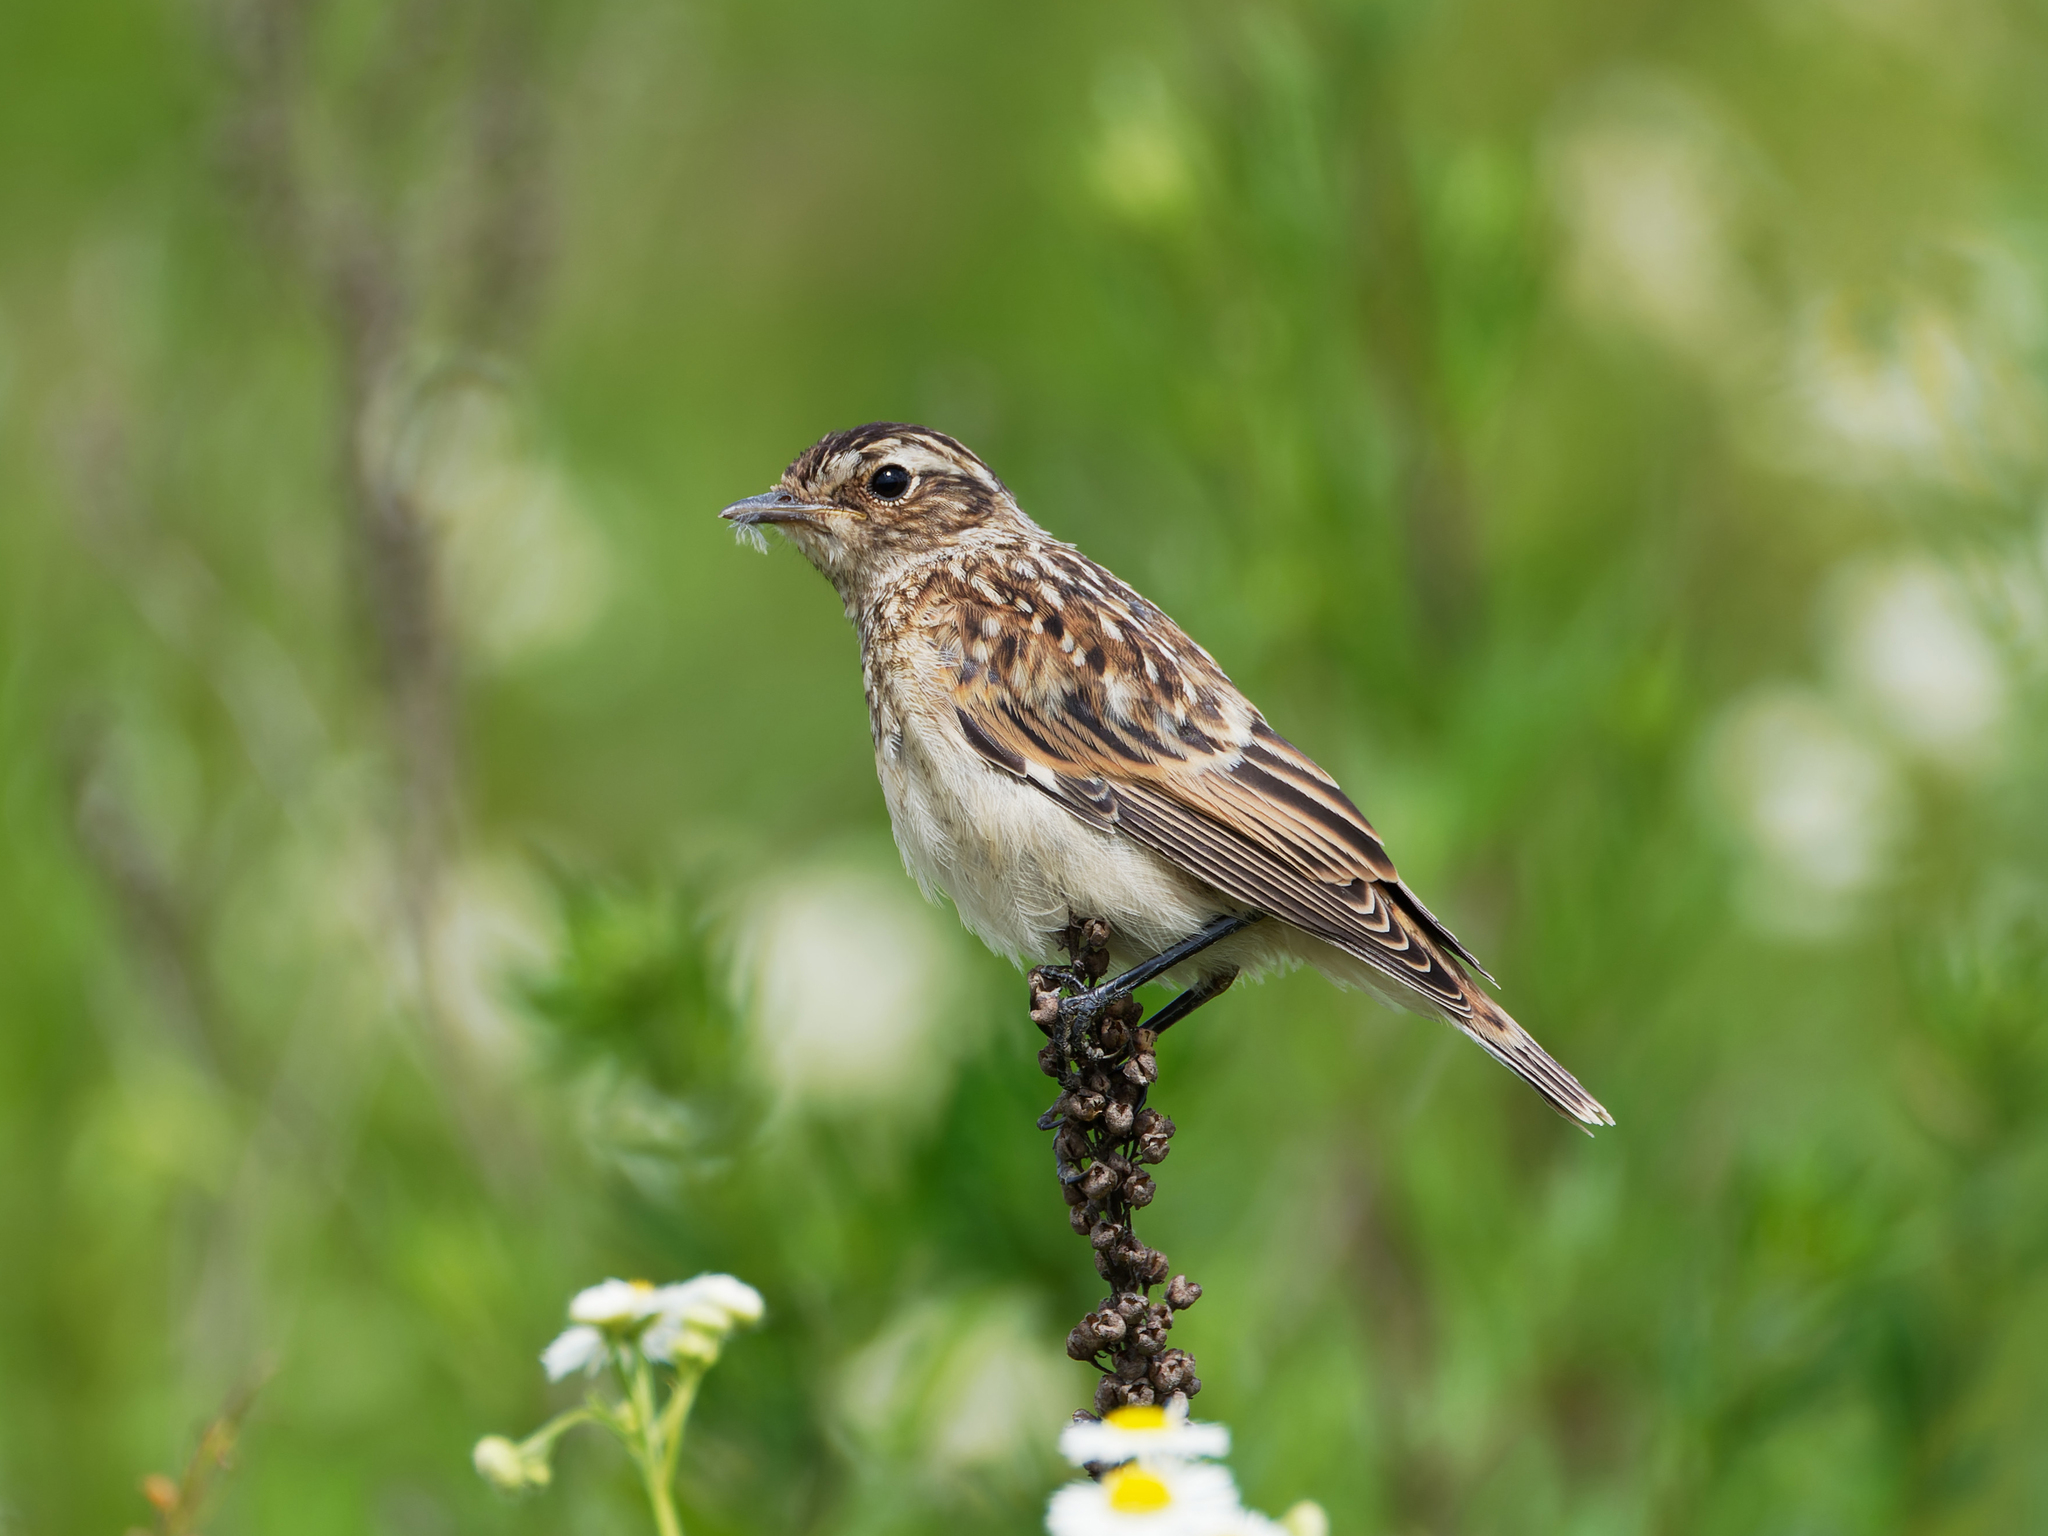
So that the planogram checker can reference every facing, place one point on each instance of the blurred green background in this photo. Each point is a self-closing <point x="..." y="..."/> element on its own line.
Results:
<point x="440" y="870"/>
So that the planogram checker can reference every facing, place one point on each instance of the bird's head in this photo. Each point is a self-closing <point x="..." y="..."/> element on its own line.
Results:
<point x="862" y="503"/>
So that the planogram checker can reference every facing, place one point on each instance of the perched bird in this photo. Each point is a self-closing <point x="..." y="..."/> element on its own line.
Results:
<point x="1052" y="746"/>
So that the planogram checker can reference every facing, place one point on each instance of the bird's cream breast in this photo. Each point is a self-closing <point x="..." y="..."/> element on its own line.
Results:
<point x="1015" y="864"/>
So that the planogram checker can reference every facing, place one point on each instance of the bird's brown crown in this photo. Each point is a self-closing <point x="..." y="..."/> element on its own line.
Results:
<point x="908" y="485"/>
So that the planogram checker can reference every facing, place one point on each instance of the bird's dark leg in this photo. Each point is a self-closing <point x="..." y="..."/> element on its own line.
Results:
<point x="1089" y="1005"/>
<point x="1204" y="991"/>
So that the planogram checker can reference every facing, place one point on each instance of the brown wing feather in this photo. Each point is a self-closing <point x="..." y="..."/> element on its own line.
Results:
<point x="1069" y="680"/>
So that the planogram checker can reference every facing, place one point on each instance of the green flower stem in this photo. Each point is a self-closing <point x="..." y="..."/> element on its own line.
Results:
<point x="681" y="1396"/>
<point x="541" y="1441"/>
<point x="653" y="1437"/>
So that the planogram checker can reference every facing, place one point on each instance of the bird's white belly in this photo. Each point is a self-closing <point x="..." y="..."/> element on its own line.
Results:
<point x="1017" y="866"/>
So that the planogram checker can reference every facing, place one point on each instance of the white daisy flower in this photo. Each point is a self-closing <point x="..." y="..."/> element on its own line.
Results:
<point x="1150" y="1432"/>
<point x="1165" y="1498"/>
<point x="693" y="1318"/>
<point x="581" y="1348"/>
<point x="616" y="1304"/>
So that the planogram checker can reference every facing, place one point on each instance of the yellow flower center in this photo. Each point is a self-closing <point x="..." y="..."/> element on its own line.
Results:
<point x="1151" y="1416"/>
<point x="1134" y="1491"/>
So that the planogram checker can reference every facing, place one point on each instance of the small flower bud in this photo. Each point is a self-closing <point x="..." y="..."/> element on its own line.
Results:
<point x="1182" y="1293"/>
<point x="1117" y="1119"/>
<point x="1139" y="1189"/>
<point x="507" y="1467"/>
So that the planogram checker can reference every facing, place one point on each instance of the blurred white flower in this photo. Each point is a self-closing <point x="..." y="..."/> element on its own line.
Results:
<point x="1912" y="649"/>
<point x="1819" y="809"/>
<point x="843" y="979"/>
<point x="686" y="1321"/>
<point x="493" y="922"/>
<point x="581" y="1348"/>
<point x="613" y="1304"/>
<point x="1648" y="199"/>
<point x="1306" y="1518"/>
<point x="1153" y="1431"/>
<point x="1163" y="1498"/>
<point x="955" y="1386"/>
<point x="1928" y="380"/>
<point x="692" y="1319"/>
<point x="524" y="567"/>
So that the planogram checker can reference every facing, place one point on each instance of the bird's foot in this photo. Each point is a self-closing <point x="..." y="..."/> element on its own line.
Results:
<point x="1087" y="1009"/>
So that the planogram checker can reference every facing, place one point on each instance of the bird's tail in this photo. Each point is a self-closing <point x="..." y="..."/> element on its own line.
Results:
<point x="1516" y="1049"/>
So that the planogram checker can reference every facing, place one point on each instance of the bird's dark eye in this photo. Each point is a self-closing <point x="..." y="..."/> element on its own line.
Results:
<point x="890" y="481"/>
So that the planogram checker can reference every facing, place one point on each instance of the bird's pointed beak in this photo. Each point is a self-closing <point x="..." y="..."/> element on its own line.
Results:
<point x="771" y="507"/>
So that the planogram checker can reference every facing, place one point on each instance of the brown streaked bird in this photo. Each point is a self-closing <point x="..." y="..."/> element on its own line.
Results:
<point x="1051" y="745"/>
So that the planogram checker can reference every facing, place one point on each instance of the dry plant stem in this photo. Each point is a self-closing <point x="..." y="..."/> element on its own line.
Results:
<point x="1106" y="1137"/>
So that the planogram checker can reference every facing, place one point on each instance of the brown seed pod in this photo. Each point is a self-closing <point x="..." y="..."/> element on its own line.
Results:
<point x="1139" y="1189"/>
<point x="1182" y="1293"/>
<point x="1098" y="1181"/>
<point x="1172" y="1371"/>
<point x="1117" y="1119"/>
<point x="1107" y="1323"/>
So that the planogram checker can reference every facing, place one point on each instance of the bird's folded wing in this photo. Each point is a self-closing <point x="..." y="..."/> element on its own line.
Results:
<point x="1144" y="734"/>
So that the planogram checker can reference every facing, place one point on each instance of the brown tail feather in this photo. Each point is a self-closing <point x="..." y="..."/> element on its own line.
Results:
<point x="1514" y="1048"/>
